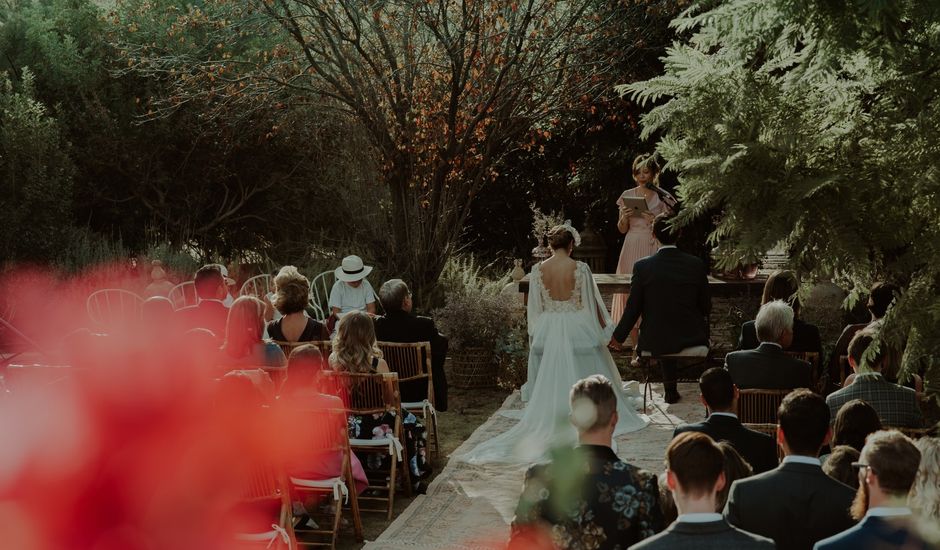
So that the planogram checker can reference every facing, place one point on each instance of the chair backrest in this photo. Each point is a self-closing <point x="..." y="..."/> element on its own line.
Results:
<point x="325" y="347"/>
<point x="258" y="286"/>
<point x="327" y="429"/>
<point x="760" y="406"/>
<point x="183" y="295"/>
<point x="112" y="307"/>
<point x="367" y="393"/>
<point x="320" y="288"/>
<point x="412" y="362"/>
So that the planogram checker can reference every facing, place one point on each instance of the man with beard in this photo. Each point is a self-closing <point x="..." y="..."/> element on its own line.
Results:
<point x="887" y="469"/>
<point x="796" y="504"/>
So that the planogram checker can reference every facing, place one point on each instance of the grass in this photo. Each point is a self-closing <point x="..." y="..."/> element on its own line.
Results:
<point x="467" y="409"/>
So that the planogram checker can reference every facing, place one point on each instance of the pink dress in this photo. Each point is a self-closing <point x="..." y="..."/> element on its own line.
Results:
<point x="639" y="242"/>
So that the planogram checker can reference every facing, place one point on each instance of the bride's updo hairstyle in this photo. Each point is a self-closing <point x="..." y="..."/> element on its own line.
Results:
<point x="560" y="237"/>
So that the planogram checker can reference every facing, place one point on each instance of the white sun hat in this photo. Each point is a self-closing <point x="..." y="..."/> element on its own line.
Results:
<point x="352" y="269"/>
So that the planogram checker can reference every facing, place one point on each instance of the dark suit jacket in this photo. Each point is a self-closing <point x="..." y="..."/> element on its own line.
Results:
<point x="210" y="314"/>
<point x="402" y="327"/>
<point x="895" y="405"/>
<point x="670" y="291"/>
<point x="588" y="494"/>
<point x="758" y="449"/>
<point x="875" y="532"/>
<point x="768" y="368"/>
<point x="805" y="337"/>
<point x="795" y="504"/>
<point x="713" y="535"/>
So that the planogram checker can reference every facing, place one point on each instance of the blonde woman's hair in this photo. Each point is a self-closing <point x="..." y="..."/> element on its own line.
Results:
<point x="354" y="345"/>
<point x="244" y="327"/>
<point x="293" y="290"/>
<point x="924" y="498"/>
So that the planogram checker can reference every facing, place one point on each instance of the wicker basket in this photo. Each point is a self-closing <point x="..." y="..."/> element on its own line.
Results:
<point x="473" y="368"/>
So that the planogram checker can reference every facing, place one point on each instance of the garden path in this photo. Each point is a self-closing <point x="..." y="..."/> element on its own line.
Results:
<point x="469" y="507"/>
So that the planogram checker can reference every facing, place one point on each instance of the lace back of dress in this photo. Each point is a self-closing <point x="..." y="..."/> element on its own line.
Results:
<point x="573" y="303"/>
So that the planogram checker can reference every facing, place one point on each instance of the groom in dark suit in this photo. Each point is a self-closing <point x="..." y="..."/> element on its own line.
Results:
<point x="669" y="290"/>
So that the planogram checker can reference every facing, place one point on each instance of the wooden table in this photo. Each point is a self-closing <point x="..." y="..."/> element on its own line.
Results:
<point x="612" y="282"/>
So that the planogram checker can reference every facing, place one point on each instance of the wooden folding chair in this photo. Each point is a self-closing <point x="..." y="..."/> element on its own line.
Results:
<point x="114" y="307"/>
<point x="257" y="286"/>
<point x="758" y="406"/>
<point x="263" y="485"/>
<point x="368" y="394"/>
<point x="183" y="295"/>
<point x="412" y="362"/>
<point x="331" y="441"/>
<point x="325" y="347"/>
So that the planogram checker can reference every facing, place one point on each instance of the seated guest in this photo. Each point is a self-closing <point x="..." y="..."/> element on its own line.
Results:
<point x="209" y="312"/>
<point x="720" y="397"/>
<point x="887" y="469"/>
<point x="355" y="350"/>
<point x="735" y="468"/>
<point x="243" y="346"/>
<point x="768" y="367"/>
<point x="838" y="465"/>
<point x="695" y="475"/>
<point x="399" y="324"/>
<point x="783" y="285"/>
<point x="854" y="422"/>
<point x="159" y="285"/>
<point x="880" y="298"/>
<point x="796" y="504"/>
<point x="895" y="405"/>
<point x="290" y="300"/>
<point x="351" y="291"/>
<point x="891" y="362"/>
<point x="587" y="497"/>
<point x="302" y="396"/>
<point x="924" y="498"/>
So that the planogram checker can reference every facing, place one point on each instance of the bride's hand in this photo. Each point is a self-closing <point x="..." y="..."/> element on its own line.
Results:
<point x="615" y="345"/>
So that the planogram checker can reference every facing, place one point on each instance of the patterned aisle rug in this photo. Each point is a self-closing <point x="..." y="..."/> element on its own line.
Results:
<point x="469" y="507"/>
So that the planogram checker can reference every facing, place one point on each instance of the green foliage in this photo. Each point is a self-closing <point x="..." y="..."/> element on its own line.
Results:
<point x="814" y="124"/>
<point x="35" y="176"/>
<point x="475" y="313"/>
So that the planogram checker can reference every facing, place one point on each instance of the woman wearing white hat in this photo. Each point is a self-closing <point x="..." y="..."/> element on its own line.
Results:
<point x="351" y="289"/>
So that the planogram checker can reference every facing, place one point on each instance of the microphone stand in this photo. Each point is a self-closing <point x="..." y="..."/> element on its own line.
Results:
<point x="664" y="196"/>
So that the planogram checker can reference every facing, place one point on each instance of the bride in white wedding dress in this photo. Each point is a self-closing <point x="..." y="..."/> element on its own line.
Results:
<point x="569" y="328"/>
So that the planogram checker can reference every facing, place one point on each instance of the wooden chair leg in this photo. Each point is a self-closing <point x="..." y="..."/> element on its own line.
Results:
<point x="391" y="485"/>
<point x="337" y="515"/>
<point x="437" y="446"/>
<point x="405" y="469"/>
<point x="354" y="504"/>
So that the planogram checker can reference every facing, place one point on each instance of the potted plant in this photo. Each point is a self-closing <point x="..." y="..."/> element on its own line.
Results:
<point x="472" y="319"/>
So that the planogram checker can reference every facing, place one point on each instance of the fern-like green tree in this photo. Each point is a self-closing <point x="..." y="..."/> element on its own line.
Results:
<point x="35" y="176"/>
<point x="815" y="124"/>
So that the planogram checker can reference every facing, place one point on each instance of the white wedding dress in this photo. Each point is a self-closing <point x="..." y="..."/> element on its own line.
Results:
<point x="567" y="342"/>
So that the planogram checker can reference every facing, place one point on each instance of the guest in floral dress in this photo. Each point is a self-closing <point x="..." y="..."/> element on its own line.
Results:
<point x="586" y="497"/>
<point x="355" y="350"/>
